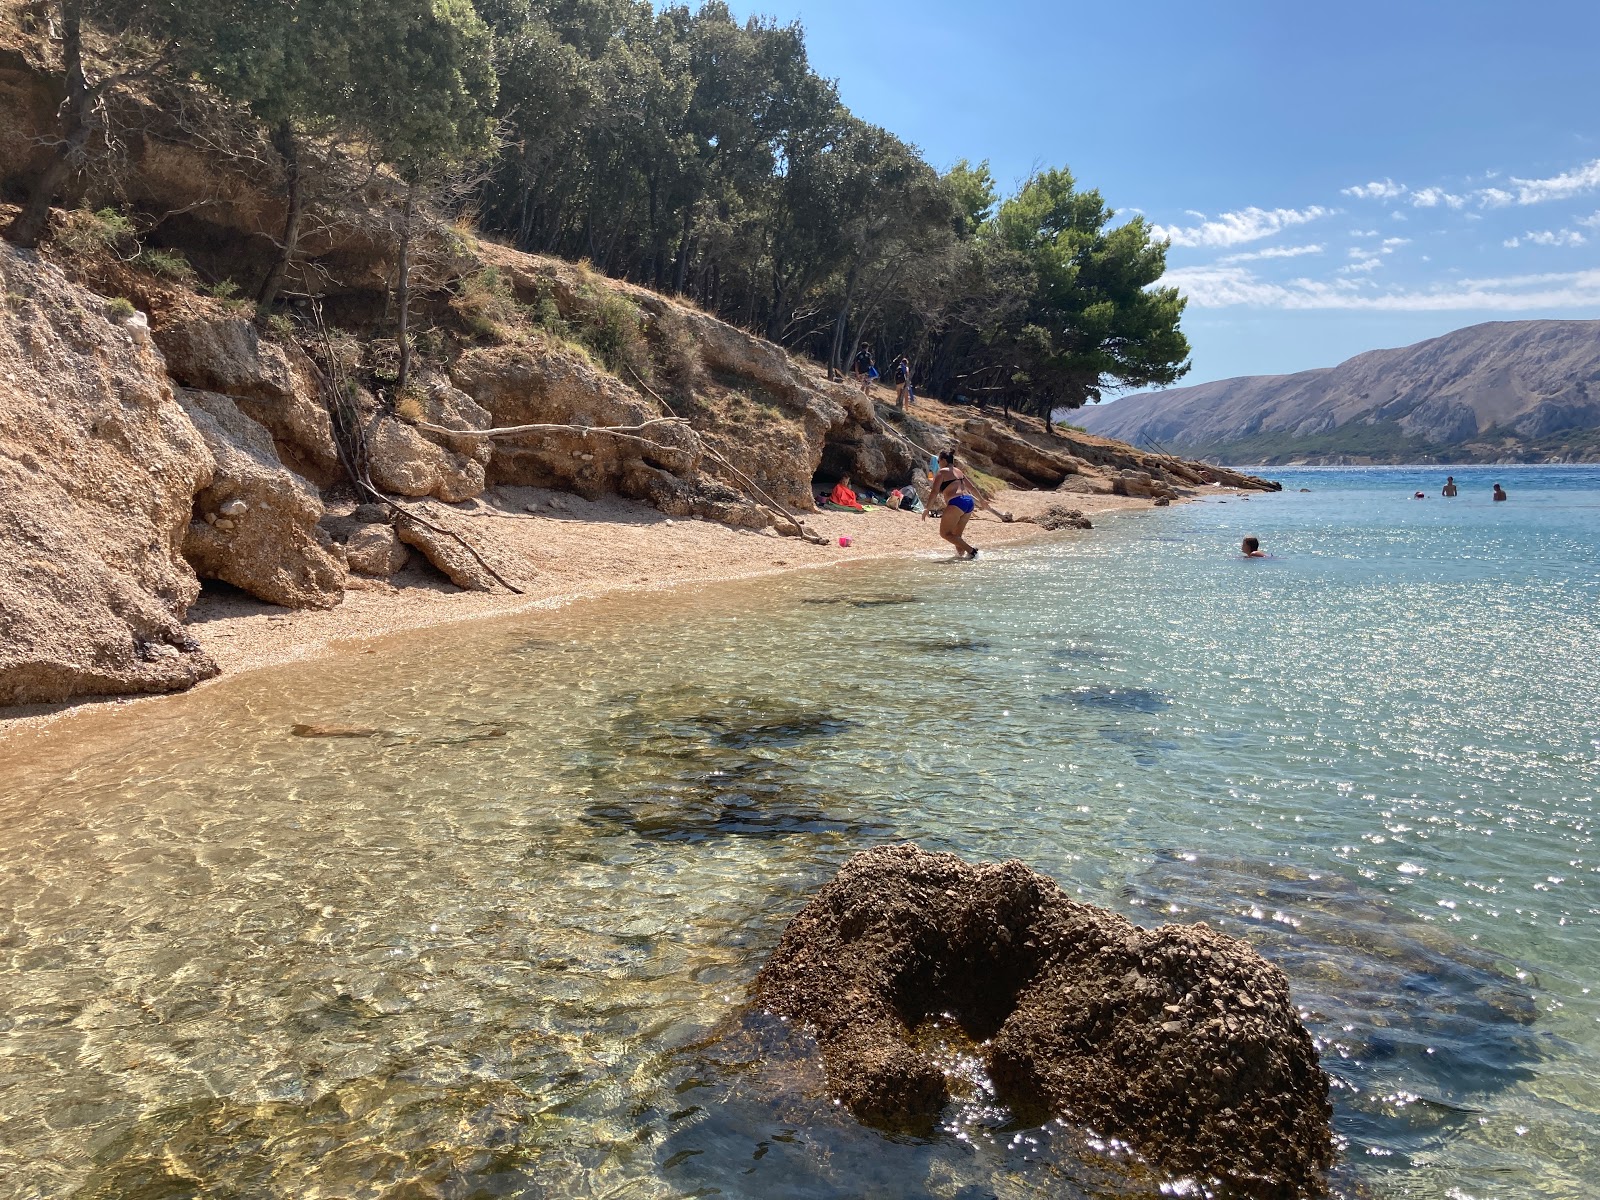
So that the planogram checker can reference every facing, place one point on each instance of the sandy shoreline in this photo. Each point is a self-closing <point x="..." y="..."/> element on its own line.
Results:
<point x="560" y="549"/>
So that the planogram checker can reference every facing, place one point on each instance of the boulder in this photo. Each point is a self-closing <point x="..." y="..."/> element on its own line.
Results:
<point x="1059" y="516"/>
<point x="255" y="526"/>
<point x="1181" y="1041"/>
<point x="376" y="550"/>
<point x="98" y="468"/>
<point x="445" y="552"/>
<point x="272" y="382"/>
<point x="404" y="462"/>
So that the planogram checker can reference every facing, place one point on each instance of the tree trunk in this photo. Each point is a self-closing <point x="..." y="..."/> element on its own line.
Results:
<point x="29" y="226"/>
<point x="403" y="291"/>
<point x="288" y="147"/>
<point x="685" y="252"/>
<point x="841" y="322"/>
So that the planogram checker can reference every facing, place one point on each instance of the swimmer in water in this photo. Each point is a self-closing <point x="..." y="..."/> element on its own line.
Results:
<point x="1449" y="487"/>
<point x="952" y="486"/>
<point x="1251" y="548"/>
<point x="1499" y="492"/>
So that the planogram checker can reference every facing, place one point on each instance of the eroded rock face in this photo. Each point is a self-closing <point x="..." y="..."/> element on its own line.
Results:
<point x="545" y="385"/>
<point x="255" y="526"/>
<point x="1181" y="1041"/>
<point x="404" y="462"/>
<point x="273" y="384"/>
<point x="98" y="465"/>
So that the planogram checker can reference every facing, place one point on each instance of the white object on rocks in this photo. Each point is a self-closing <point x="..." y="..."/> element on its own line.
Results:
<point x="234" y="508"/>
<point x="138" y="327"/>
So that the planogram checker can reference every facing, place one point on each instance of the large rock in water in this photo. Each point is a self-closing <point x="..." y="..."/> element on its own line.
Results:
<point x="1180" y="1041"/>
<point x="256" y="525"/>
<point x="98" y="465"/>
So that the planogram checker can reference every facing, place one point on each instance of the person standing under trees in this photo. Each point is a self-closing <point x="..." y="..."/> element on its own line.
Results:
<point x="902" y="381"/>
<point x="866" y="370"/>
<point x="960" y="500"/>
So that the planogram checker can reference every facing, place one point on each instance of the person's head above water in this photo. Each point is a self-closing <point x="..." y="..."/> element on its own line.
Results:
<point x="1251" y="548"/>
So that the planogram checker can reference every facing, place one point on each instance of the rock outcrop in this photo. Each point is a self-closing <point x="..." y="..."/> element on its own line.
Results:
<point x="98" y="465"/>
<point x="255" y="525"/>
<point x="1068" y="461"/>
<point x="1180" y="1041"/>
<point x="446" y="552"/>
<point x="546" y="384"/>
<point x="273" y="383"/>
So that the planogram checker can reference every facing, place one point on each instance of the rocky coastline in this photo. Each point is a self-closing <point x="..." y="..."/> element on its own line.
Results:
<point x="150" y="448"/>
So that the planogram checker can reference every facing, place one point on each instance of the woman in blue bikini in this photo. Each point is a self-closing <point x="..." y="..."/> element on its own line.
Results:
<point x="952" y="486"/>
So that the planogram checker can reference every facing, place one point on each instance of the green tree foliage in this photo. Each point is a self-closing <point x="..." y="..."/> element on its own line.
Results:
<point x="1092" y="315"/>
<point x="687" y="150"/>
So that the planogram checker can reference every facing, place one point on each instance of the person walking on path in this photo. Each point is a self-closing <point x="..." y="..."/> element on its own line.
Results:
<point x="960" y="501"/>
<point x="902" y="381"/>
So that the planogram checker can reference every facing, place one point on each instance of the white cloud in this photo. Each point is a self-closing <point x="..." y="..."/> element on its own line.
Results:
<point x="1592" y="221"/>
<point x="1234" y="228"/>
<point x="1391" y="244"/>
<point x="1432" y="197"/>
<point x="1383" y="189"/>
<point x="1536" y="191"/>
<point x="1272" y="252"/>
<point x="1547" y="237"/>
<point x="1222" y="287"/>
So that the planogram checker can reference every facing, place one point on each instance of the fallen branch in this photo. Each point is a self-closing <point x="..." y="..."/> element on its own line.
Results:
<point x="354" y="458"/>
<point x="716" y="456"/>
<point x="624" y="433"/>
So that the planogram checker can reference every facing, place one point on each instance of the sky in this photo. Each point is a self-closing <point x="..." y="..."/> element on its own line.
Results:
<point x="1333" y="178"/>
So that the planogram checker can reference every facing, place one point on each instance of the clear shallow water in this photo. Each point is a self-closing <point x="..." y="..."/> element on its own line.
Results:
<point x="499" y="948"/>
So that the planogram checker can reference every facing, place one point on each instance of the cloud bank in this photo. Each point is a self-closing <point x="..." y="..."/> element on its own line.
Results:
<point x="1228" y="286"/>
<point x="1246" y="225"/>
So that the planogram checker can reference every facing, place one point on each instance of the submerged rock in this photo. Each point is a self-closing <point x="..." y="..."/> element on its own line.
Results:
<point x="1181" y="1041"/>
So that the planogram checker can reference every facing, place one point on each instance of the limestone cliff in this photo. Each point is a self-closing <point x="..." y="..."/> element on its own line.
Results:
<point x="99" y="466"/>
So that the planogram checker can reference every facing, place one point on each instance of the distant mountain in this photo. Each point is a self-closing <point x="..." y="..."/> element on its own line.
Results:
<point x="1506" y="391"/>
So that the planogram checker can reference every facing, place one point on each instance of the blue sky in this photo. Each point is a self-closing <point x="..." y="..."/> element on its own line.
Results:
<point x="1334" y="178"/>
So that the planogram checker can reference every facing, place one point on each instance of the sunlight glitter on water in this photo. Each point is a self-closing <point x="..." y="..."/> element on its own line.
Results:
<point x="441" y="961"/>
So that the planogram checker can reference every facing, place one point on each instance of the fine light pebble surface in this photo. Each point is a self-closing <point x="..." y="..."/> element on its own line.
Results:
<point x="559" y="547"/>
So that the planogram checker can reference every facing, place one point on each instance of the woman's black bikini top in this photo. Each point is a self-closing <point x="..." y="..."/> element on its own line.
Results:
<point x="953" y="481"/>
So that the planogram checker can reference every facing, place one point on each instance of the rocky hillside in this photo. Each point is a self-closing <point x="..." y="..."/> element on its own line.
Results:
<point x="1506" y="391"/>
<point x="156" y="431"/>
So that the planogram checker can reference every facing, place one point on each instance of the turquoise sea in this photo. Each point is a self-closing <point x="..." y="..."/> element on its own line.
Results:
<point x="498" y="948"/>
